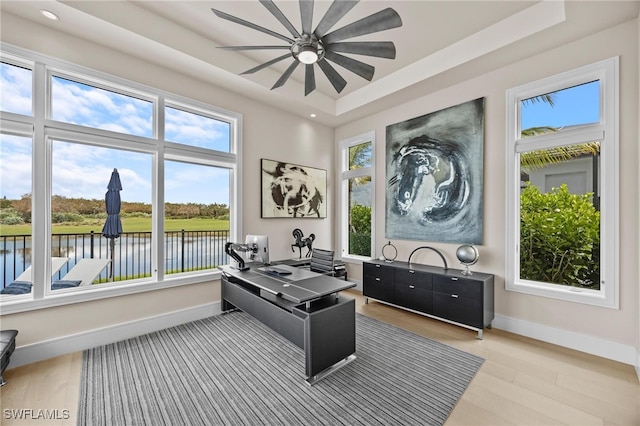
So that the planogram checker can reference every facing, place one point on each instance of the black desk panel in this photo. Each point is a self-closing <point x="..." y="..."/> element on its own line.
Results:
<point x="305" y="308"/>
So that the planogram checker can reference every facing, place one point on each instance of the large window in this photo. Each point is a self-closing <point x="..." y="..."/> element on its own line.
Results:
<point x="165" y="221"/>
<point x="357" y="194"/>
<point x="562" y="143"/>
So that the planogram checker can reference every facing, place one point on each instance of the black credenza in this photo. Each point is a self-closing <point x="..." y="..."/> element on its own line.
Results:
<point x="448" y="295"/>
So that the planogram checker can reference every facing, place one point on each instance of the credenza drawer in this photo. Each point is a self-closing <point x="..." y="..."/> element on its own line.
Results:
<point x="459" y="309"/>
<point x="415" y="278"/>
<point x="379" y="273"/>
<point x="461" y="287"/>
<point x="412" y="297"/>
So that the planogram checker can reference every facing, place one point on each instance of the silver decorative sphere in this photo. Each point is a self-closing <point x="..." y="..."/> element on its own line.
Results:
<point x="467" y="254"/>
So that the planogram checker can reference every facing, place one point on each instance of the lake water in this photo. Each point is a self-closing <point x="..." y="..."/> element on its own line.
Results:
<point x="132" y="255"/>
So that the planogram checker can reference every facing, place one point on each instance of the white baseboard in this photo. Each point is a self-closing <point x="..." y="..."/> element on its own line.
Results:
<point x="89" y="339"/>
<point x="78" y="342"/>
<point x="568" y="339"/>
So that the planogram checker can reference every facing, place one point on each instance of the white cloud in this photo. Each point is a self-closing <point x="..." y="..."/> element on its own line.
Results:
<point x="15" y="167"/>
<point x="196" y="130"/>
<point x="82" y="171"/>
<point x="89" y="106"/>
<point x="15" y="89"/>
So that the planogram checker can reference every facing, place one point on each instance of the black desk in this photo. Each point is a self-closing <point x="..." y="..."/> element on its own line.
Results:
<point x="304" y="307"/>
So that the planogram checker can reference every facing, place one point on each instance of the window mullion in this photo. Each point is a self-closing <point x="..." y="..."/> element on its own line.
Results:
<point x="41" y="188"/>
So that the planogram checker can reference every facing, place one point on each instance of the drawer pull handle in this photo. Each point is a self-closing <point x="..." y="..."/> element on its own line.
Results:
<point x="377" y="266"/>
<point x="412" y="286"/>
<point x="455" y="296"/>
<point x="377" y="279"/>
<point x="411" y="271"/>
<point x="454" y="279"/>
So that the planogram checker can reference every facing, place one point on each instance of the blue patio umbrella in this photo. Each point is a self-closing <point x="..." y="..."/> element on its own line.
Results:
<point x="113" y="225"/>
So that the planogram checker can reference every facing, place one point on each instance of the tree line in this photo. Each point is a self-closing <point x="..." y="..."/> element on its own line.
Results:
<point x="95" y="208"/>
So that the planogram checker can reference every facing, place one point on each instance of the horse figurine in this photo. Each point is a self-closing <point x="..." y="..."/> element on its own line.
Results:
<point x="302" y="242"/>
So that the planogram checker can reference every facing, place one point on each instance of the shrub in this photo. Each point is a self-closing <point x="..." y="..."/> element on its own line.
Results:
<point x="360" y="230"/>
<point x="10" y="216"/>
<point x="57" y="217"/>
<point x="559" y="237"/>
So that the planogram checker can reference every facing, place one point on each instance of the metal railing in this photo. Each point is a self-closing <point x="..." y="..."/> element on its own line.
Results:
<point x="132" y="256"/>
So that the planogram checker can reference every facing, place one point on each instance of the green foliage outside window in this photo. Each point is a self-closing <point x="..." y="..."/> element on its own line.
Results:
<point x="360" y="230"/>
<point x="559" y="238"/>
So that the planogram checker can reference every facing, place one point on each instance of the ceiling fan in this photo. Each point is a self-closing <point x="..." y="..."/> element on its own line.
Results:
<point x="320" y="46"/>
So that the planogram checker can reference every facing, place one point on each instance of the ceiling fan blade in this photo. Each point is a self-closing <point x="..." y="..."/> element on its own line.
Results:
<point x="380" y="49"/>
<point x="335" y="12"/>
<point x="253" y="47"/>
<point x="306" y="15"/>
<point x="335" y="79"/>
<point x="283" y="79"/>
<point x="380" y="21"/>
<point x="266" y="64"/>
<point x="309" y="79"/>
<point x="275" y="11"/>
<point x="251" y="25"/>
<point x="363" y="70"/>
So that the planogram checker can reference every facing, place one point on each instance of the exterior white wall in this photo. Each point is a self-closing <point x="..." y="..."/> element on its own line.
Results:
<point x="619" y="327"/>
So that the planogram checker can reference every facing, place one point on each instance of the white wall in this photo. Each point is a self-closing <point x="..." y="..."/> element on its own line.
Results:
<point x="617" y="329"/>
<point x="638" y="207"/>
<point x="268" y="133"/>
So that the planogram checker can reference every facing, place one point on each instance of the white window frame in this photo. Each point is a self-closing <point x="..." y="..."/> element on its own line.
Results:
<point x="606" y="131"/>
<point x="42" y="130"/>
<point x="345" y="175"/>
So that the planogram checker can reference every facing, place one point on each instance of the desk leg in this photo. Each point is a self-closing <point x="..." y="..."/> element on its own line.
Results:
<point x="330" y="339"/>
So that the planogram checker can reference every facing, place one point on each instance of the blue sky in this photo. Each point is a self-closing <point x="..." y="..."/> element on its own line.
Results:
<point x="83" y="171"/>
<point x="576" y="105"/>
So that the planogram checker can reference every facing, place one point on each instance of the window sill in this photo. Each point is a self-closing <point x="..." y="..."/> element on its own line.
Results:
<point x="569" y="294"/>
<point x="18" y="304"/>
<point x="356" y="260"/>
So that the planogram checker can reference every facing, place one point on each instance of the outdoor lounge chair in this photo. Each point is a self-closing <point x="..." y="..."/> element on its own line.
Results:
<point x="56" y="264"/>
<point x="23" y="282"/>
<point x="83" y="273"/>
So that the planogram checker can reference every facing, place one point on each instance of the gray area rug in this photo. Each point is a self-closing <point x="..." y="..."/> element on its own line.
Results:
<point x="232" y="370"/>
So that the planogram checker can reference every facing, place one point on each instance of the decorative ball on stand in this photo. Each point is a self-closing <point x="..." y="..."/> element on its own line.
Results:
<point x="467" y="255"/>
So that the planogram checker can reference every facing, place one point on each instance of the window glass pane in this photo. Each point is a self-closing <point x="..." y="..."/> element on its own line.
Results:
<point x="80" y="178"/>
<point x="560" y="217"/>
<point x="15" y="209"/>
<point x="568" y="107"/>
<point x="196" y="130"/>
<point x="360" y="156"/>
<point x="360" y="216"/>
<point x="196" y="216"/>
<point x="16" y="88"/>
<point x="78" y="103"/>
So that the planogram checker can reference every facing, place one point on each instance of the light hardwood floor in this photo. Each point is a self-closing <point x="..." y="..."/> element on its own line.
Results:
<point x="521" y="382"/>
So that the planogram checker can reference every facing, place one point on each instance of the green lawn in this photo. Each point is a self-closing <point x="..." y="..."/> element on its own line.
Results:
<point x="129" y="224"/>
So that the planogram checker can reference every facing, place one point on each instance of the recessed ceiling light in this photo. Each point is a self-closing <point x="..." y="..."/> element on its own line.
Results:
<point x="312" y="115"/>
<point x="49" y="15"/>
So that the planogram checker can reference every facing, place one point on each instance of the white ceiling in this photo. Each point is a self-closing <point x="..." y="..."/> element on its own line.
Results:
<point x="436" y="36"/>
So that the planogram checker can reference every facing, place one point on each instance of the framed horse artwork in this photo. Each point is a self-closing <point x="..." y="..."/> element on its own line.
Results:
<point x="291" y="190"/>
<point x="434" y="167"/>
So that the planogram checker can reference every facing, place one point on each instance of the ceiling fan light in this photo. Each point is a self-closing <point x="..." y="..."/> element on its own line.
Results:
<point x="308" y="55"/>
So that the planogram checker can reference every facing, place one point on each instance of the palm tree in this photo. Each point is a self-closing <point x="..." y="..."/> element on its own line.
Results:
<point x="533" y="160"/>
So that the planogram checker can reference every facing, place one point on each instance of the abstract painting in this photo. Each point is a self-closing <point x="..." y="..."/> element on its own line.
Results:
<point x="290" y="190"/>
<point x="434" y="167"/>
